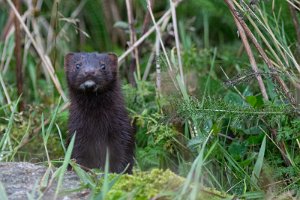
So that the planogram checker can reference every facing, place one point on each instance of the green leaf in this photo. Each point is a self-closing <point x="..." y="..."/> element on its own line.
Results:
<point x="255" y="139"/>
<point x="237" y="150"/>
<point x="259" y="102"/>
<point x="255" y="101"/>
<point x="259" y="162"/>
<point x="251" y="100"/>
<point x="122" y="25"/>
<point x="216" y="128"/>
<point x="84" y="176"/>
<point x="233" y="98"/>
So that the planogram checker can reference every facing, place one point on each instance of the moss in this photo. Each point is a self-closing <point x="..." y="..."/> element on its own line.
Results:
<point x="155" y="184"/>
<point x="146" y="185"/>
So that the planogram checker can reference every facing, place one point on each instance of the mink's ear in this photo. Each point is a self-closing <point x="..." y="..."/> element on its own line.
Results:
<point x="68" y="58"/>
<point x="114" y="59"/>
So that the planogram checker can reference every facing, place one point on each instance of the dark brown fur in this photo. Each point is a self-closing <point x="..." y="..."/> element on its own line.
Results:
<point x="97" y="112"/>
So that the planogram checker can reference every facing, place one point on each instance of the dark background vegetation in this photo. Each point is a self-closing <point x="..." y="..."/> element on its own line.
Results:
<point x="224" y="134"/>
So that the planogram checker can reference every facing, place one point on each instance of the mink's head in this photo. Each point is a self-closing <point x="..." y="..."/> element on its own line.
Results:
<point x="91" y="72"/>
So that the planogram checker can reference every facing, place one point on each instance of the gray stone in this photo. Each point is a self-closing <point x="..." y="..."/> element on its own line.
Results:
<point x="21" y="180"/>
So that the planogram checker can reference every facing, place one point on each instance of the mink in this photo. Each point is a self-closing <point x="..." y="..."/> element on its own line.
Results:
<point x="97" y="113"/>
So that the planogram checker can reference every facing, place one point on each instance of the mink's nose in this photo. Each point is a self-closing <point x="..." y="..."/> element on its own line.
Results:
<point x="88" y="85"/>
<point x="89" y="71"/>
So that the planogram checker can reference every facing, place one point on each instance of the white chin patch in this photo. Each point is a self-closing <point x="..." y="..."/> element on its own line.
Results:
<point x="88" y="85"/>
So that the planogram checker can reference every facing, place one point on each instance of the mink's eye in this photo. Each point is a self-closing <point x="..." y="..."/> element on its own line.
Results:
<point x="102" y="66"/>
<point x="78" y="66"/>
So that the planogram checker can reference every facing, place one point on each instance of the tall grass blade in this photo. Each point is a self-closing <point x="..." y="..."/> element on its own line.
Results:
<point x="195" y="173"/>
<point x="26" y="135"/>
<point x="6" y="140"/>
<point x="3" y="195"/>
<point x="259" y="162"/>
<point x="60" y="137"/>
<point x="182" y="88"/>
<point x="84" y="176"/>
<point x="107" y="184"/>
<point x="63" y="168"/>
<point x="241" y="173"/>
<point x="46" y="133"/>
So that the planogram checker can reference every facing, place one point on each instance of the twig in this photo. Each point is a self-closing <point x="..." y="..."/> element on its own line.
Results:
<point x="6" y="93"/>
<point x="282" y="148"/>
<point x="134" y="66"/>
<point x="146" y="35"/>
<point x="159" y="36"/>
<point x="295" y="21"/>
<point x="147" y="19"/>
<point x="251" y="57"/>
<point x="285" y="52"/>
<point x="18" y="56"/>
<point x="262" y="53"/>
<point x="8" y="25"/>
<point x="62" y="31"/>
<point x="172" y="3"/>
<point x="235" y="88"/>
<point x="157" y="62"/>
<point x="145" y="28"/>
<point x="149" y="64"/>
<point x="157" y="28"/>
<point x="48" y="65"/>
<point x="293" y="4"/>
<point x="153" y="53"/>
<point x="116" y="16"/>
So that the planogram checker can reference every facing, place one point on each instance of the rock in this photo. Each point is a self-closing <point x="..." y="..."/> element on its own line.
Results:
<point x="21" y="180"/>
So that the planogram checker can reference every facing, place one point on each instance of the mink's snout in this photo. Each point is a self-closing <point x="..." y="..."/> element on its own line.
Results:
<point x="89" y="71"/>
<point x="88" y="79"/>
<point x="88" y="85"/>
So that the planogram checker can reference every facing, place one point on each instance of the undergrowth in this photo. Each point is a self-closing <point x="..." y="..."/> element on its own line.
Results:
<point x="212" y="137"/>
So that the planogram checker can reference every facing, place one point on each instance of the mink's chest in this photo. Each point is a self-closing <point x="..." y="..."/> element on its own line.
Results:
<point x="96" y="133"/>
<point x="95" y="123"/>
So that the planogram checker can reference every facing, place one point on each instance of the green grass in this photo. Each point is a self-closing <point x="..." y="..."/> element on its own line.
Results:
<point x="213" y="136"/>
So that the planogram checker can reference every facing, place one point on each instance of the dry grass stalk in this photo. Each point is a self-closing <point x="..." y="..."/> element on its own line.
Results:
<point x="292" y="3"/>
<point x="250" y="35"/>
<point x="234" y="87"/>
<point x="153" y="53"/>
<point x="62" y="30"/>
<point x="147" y="20"/>
<point x="135" y="66"/>
<point x="174" y="18"/>
<point x="6" y="93"/>
<point x="279" y="62"/>
<point x="158" y="70"/>
<point x="145" y="36"/>
<point x="159" y="35"/>
<point x="171" y="71"/>
<point x="10" y="29"/>
<point x="112" y="14"/>
<point x="251" y="58"/>
<point x="149" y="64"/>
<point x="264" y="22"/>
<point x="18" y="56"/>
<point x="276" y="77"/>
<point x="295" y="21"/>
<point x="48" y="65"/>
